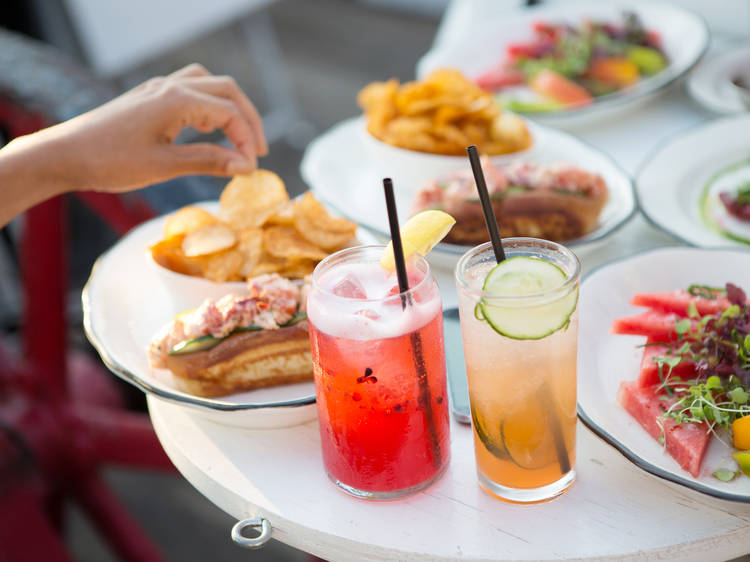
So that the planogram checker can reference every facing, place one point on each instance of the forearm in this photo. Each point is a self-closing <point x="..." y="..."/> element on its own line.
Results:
<point x="128" y="142"/>
<point x="32" y="168"/>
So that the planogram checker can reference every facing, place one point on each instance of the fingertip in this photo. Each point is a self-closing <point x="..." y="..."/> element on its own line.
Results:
<point x="239" y="165"/>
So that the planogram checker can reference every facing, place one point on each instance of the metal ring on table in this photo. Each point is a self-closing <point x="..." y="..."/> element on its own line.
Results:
<point x="255" y="523"/>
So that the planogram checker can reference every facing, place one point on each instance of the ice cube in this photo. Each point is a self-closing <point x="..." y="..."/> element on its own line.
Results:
<point x="350" y="288"/>
<point x="368" y="313"/>
<point x="414" y="278"/>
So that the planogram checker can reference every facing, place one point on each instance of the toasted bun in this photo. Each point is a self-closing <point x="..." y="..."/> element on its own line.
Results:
<point x="246" y="361"/>
<point x="540" y="214"/>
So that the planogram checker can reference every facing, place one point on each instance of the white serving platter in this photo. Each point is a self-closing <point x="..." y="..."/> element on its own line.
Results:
<point x="338" y="170"/>
<point x="685" y="38"/>
<point x="606" y="359"/>
<point x="126" y="301"/>
<point x="670" y="184"/>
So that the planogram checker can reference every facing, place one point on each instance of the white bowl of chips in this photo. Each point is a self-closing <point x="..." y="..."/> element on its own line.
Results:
<point x="418" y="130"/>
<point x="210" y="249"/>
<point x="188" y="291"/>
<point x="411" y="169"/>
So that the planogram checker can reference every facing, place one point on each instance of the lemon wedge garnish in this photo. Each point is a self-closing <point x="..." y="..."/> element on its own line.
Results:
<point x="419" y="235"/>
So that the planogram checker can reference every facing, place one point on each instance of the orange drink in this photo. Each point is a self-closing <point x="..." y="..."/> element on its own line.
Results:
<point x="519" y="323"/>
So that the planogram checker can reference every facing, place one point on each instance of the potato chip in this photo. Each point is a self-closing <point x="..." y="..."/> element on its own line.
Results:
<point x="298" y="269"/>
<point x="312" y="221"/>
<point x="168" y="253"/>
<point x="377" y="93"/>
<point x="250" y="246"/>
<point x="441" y="114"/>
<point x="247" y="201"/>
<point x="222" y="266"/>
<point x="208" y="240"/>
<point x="511" y="130"/>
<point x="284" y="237"/>
<point x="267" y="264"/>
<point x="187" y="220"/>
<point x="286" y="242"/>
<point x="283" y="216"/>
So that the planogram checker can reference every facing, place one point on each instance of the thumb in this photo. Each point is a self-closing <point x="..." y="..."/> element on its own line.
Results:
<point x="208" y="159"/>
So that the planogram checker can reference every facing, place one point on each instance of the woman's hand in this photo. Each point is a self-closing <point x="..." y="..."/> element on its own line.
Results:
<point x="128" y="142"/>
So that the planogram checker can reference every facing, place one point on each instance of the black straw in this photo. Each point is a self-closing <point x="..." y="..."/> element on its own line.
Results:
<point x="497" y="245"/>
<point x="484" y="196"/>
<point x="398" y="248"/>
<point x="416" y="340"/>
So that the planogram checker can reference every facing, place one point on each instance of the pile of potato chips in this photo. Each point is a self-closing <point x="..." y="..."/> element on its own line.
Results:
<point x="443" y="115"/>
<point x="259" y="230"/>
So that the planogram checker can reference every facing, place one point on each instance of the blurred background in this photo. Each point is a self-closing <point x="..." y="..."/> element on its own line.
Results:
<point x="302" y="63"/>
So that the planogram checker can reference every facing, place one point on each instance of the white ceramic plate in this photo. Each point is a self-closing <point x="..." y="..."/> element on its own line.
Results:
<point x="605" y="359"/>
<point x="710" y="84"/>
<point x="125" y="302"/>
<point x="670" y="184"/>
<point x="339" y="172"/>
<point x="685" y="38"/>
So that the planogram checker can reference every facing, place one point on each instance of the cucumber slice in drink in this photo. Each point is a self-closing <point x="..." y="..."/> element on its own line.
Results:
<point x="494" y="446"/>
<point x="533" y="318"/>
<point x="528" y="440"/>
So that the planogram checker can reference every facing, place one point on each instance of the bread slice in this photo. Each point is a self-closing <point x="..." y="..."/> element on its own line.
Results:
<point x="245" y="361"/>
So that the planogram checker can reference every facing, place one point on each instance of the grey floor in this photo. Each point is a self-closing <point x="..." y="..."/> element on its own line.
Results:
<point x="331" y="49"/>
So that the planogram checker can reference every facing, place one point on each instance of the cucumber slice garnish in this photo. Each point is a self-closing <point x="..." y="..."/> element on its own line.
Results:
<point x="531" y="319"/>
<point x="494" y="446"/>
<point x="201" y="343"/>
<point x="296" y="319"/>
<point x="478" y="312"/>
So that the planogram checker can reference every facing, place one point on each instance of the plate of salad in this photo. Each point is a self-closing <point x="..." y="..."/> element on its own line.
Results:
<point x="697" y="186"/>
<point x="664" y="376"/>
<point x="563" y="64"/>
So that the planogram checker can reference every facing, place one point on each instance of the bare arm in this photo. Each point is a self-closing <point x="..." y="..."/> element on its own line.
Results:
<point x="127" y="143"/>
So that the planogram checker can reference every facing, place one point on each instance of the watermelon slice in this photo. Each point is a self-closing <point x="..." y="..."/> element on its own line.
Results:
<point x="686" y="443"/>
<point x="499" y="76"/>
<point x="652" y="323"/>
<point x="553" y="85"/>
<point x="679" y="301"/>
<point x="649" y="374"/>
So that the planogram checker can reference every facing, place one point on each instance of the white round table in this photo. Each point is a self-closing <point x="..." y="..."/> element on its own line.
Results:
<point x="614" y="510"/>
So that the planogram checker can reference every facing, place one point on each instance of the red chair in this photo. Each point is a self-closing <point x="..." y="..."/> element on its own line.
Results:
<point x="53" y="441"/>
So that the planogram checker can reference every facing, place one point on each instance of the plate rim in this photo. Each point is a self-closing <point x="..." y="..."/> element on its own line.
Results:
<point x="196" y="402"/>
<point x="696" y="90"/>
<point x="456" y="249"/>
<point x="666" y="143"/>
<point x="614" y="101"/>
<point x="608" y="438"/>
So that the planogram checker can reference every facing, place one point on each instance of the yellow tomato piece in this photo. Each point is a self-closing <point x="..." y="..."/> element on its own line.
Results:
<point x="741" y="432"/>
<point x="619" y="72"/>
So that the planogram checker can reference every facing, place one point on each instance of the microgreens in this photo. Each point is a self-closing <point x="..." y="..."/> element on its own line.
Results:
<point x="719" y="346"/>
<point x="726" y="475"/>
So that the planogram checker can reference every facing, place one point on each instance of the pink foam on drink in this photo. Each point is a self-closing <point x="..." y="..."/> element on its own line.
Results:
<point x="378" y="315"/>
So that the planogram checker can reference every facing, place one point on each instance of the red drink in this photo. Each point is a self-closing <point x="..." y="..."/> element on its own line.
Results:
<point x="379" y="376"/>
